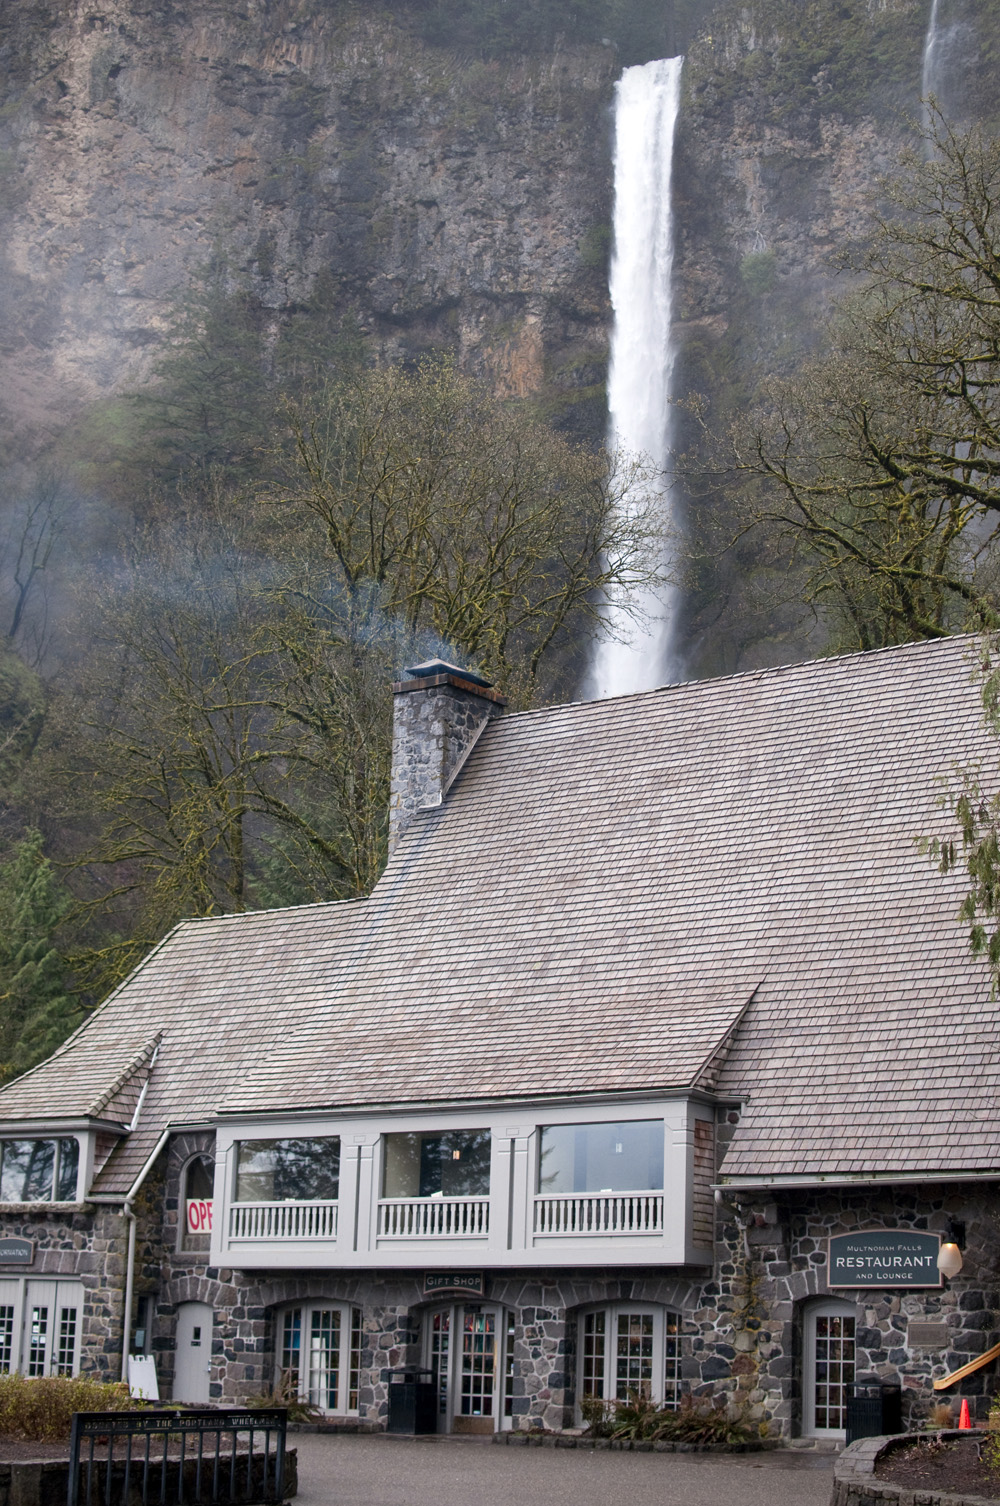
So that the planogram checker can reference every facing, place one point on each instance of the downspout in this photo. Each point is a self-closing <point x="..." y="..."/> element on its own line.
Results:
<point x="129" y="1213"/>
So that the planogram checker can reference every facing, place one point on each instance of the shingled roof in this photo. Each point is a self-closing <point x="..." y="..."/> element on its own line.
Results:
<point x="605" y="889"/>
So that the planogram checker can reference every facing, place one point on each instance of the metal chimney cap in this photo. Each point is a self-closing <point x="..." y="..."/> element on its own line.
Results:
<point x="442" y="667"/>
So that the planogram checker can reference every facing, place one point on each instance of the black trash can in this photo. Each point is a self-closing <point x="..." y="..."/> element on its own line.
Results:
<point x="412" y="1402"/>
<point x="874" y="1408"/>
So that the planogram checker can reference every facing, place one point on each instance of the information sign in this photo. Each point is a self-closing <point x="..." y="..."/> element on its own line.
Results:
<point x="17" y="1251"/>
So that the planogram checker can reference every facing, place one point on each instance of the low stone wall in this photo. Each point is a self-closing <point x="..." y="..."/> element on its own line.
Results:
<point x="538" y="1439"/>
<point x="854" y="1482"/>
<point x="34" y="1482"/>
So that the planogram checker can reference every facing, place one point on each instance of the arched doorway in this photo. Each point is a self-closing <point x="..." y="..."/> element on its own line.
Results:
<point x="469" y="1348"/>
<point x="829" y="1330"/>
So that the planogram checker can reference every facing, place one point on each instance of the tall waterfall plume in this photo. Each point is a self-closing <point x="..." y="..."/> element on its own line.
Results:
<point x="642" y="350"/>
<point x="928" y="79"/>
<point x="950" y="47"/>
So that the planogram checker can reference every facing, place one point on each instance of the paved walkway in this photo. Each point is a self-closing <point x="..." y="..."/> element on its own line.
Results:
<point x="383" y="1471"/>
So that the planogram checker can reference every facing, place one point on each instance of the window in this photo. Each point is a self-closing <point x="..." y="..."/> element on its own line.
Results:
<point x="625" y="1157"/>
<point x="319" y="1355"/>
<point x="281" y="1171"/>
<point x="629" y="1351"/>
<point x="449" y="1163"/>
<point x="39" y="1171"/>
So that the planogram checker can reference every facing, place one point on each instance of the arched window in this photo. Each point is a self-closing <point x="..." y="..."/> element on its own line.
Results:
<point x="319" y="1354"/>
<point x="196" y="1204"/>
<point x="628" y="1349"/>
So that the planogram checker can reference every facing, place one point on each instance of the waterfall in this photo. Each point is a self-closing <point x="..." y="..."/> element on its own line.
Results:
<point x="928" y="77"/>
<point x="647" y="101"/>
<point x="951" y="52"/>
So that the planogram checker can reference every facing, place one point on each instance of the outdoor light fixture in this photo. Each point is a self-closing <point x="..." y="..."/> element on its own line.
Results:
<point x="456" y="1155"/>
<point x="949" y="1261"/>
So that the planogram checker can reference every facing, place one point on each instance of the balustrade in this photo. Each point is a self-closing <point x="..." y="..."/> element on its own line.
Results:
<point x="280" y="1221"/>
<point x="600" y="1213"/>
<point x="434" y="1218"/>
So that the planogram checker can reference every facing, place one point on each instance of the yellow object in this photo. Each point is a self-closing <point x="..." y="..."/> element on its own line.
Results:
<point x="977" y="1364"/>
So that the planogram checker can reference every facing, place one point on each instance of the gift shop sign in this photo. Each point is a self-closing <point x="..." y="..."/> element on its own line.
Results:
<point x="883" y="1257"/>
<point x="199" y="1215"/>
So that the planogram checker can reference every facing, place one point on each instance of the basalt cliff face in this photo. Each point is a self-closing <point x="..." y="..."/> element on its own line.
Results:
<point x="444" y="203"/>
<point x="435" y="200"/>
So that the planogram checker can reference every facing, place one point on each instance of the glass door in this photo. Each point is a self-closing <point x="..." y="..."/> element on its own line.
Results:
<point x="828" y="1368"/>
<point x="468" y="1348"/>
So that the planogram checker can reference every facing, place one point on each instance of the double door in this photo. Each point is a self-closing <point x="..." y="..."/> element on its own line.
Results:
<point x="469" y="1348"/>
<point x="40" y="1326"/>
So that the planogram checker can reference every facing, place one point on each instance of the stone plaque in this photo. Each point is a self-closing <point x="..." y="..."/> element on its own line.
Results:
<point x="883" y="1257"/>
<point x="927" y="1335"/>
<point x="466" y="1283"/>
<point x="17" y="1251"/>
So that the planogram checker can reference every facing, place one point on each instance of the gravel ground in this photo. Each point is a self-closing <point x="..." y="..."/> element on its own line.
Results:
<point x="383" y="1471"/>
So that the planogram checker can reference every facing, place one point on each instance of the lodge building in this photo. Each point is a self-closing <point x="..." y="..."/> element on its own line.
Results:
<point x="657" y="1060"/>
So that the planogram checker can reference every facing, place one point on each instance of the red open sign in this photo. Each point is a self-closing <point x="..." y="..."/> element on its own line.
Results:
<point x="199" y="1215"/>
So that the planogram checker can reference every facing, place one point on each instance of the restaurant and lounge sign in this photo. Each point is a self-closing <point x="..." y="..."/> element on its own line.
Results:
<point x="884" y="1257"/>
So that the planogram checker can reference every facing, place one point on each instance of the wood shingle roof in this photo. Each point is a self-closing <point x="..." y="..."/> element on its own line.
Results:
<point x="712" y="883"/>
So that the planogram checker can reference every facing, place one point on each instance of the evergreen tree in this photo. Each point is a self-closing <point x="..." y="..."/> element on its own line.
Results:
<point x="35" y="1010"/>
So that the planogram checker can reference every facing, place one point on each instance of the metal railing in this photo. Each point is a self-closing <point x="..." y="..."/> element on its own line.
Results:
<point x="600" y="1213"/>
<point x="434" y="1218"/>
<point x="194" y="1457"/>
<point x="264" y="1221"/>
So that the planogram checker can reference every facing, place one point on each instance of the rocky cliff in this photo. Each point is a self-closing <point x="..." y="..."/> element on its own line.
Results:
<point x="443" y="202"/>
<point x="430" y="197"/>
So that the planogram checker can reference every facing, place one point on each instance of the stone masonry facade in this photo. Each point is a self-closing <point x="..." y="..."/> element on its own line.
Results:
<point x="741" y="1324"/>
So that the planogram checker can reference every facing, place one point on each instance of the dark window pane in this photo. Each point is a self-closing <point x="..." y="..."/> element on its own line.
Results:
<point x="452" y="1163"/>
<point x="275" y="1171"/>
<point x="198" y="1180"/>
<point x="69" y="1161"/>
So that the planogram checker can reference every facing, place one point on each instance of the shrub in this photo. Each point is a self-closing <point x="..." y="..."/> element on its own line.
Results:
<point x="638" y="1418"/>
<point x="41" y="1408"/>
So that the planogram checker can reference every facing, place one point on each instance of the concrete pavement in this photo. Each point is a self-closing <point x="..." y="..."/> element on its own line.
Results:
<point x="355" y="1470"/>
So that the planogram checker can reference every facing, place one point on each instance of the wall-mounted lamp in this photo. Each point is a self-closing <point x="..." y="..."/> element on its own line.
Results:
<point x="949" y="1261"/>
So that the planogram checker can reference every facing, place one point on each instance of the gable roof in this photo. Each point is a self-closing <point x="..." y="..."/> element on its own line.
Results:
<point x="591" y="910"/>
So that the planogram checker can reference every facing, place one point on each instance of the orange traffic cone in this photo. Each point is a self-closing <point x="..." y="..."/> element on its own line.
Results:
<point x="963" y="1416"/>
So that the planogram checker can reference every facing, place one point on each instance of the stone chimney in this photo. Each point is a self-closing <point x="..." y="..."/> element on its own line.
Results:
<point x="439" y="711"/>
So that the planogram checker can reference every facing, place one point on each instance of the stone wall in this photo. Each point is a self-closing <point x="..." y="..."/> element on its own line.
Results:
<point x="751" y="1324"/>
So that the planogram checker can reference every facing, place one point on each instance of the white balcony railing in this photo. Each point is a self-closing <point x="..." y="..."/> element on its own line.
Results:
<point x="280" y="1221"/>
<point x="434" y="1218"/>
<point x="600" y="1213"/>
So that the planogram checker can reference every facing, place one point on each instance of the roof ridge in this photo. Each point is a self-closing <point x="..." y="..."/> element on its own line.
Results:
<point x="137" y="1061"/>
<point x="921" y="646"/>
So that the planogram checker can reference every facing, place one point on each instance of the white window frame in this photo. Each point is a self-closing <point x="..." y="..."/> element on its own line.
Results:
<point x="55" y="1137"/>
<point x="664" y="1389"/>
<point x="348" y="1353"/>
<point x="824" y="1307"/>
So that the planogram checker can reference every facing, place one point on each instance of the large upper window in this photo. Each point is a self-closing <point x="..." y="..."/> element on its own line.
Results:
<point x="626" y="1157"/>
<point x="449" y="1163"/>
<point x="39" y="1171"/>
<point x="277" y="1171"/>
